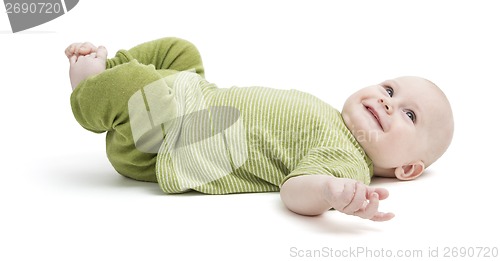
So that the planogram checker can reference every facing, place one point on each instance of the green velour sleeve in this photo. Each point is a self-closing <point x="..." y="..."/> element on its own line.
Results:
<point x="99" y="103"/>
<point x="167" y="53"/>
<point x="103" y="103"/>
<point x="137" y="77"/>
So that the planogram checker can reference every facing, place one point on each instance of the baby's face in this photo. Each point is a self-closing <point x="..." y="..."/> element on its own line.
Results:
<point x="392" y="120"/>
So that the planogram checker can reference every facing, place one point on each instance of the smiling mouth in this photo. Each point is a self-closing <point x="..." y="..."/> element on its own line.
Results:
<point x="375" y="115"/>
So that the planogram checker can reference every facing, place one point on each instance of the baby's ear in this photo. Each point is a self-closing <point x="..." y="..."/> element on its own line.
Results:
<point x="410" y="171"/>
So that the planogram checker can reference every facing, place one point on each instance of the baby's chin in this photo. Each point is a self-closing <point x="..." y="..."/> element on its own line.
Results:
<point x="382" y="159"/>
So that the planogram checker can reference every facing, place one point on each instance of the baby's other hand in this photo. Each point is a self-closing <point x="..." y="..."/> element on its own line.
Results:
<point x="354" y="198"/>
<point x="84" y="66"/>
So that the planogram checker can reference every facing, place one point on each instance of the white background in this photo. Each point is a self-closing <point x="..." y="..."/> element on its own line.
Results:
<point x="61" y="200"/>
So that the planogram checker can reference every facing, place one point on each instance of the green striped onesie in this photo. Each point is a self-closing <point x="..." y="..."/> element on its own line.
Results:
<point x="170" y="125"/>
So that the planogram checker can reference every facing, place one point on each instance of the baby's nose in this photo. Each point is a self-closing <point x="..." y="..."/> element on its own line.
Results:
<point x="386" y="105"/>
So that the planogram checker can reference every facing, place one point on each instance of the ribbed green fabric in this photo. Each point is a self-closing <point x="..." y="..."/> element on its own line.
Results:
<point x="259" y="137"/>
<point x="213" y="140"/>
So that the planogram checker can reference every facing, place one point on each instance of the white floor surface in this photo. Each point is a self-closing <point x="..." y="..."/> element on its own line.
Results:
<point x="61" y="200"/>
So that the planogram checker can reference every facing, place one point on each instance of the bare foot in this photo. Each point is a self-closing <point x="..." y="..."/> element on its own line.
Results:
<point x="85" y="61"/>
<point x="77" y="49"/>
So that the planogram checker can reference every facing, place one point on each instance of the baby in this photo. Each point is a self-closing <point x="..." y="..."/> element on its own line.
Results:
<point x="165" y="123"/>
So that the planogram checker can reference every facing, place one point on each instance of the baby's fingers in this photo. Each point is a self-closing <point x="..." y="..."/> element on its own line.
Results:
<point x="371" y="208"/>
<point x="371" y="211"/>
<point x="382" y="192"/>
<point x="380" y="216"/>
<point x="358" y="199"/>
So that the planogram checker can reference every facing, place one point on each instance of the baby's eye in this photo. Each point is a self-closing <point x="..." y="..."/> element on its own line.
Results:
<point x="389" y="90"/>
<point x="411" y="115"/>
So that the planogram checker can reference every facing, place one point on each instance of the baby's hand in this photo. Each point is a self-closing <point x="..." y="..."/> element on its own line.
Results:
<point x="83" y="66"/>
<point x="354" y="198"/>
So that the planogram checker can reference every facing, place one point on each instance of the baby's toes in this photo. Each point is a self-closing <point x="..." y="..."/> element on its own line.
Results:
<point x="70" y="50"/>
<point x="86" y="48"/>
<point x="72" y="60"/>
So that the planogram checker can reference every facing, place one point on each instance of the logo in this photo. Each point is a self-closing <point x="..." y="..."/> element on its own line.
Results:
<point x="204" y="143"/>
<point x="25" y="14"/>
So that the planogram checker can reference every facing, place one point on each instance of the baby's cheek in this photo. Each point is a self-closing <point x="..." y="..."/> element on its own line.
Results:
<point x="383" y="152"/>
<point x="404" y="144"/>
<point x="394" y="148"/>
